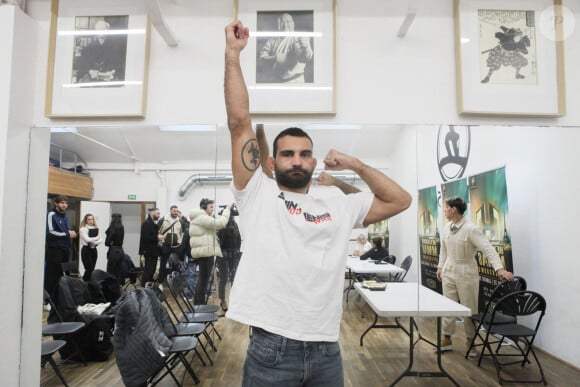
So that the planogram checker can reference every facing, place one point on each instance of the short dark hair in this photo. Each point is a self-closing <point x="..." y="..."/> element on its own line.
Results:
<point x="172" y="207"/>
<point x="377" y="241"/>
<point x="204" y="203"/>
<point x="457" y="203"/>
<point x="59" y="198"/>
<point x="294" y="132"/>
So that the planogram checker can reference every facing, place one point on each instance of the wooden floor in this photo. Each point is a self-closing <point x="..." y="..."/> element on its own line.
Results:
<point x="382" y="358"/>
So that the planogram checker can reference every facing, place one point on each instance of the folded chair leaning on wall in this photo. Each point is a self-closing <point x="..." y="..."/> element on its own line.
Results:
<point x="521" y="303"/>
<point x="479" y="320"/>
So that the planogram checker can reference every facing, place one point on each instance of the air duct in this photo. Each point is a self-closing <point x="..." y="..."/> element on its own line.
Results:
<point x="226" y="178"/>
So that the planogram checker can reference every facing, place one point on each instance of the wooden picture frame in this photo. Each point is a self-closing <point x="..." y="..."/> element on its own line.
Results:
<point x="289" y="62"/>
<point x="98" y="59"/>
<point x="510" y="59"/>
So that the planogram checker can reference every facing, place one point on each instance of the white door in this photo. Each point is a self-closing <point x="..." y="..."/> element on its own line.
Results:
<point x="102" y="213"/>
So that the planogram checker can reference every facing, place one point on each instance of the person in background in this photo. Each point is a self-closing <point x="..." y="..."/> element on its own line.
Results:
<point x="204" y="243"/>
<point x="58" y="243"/>
<point x="115" y="236"/>
<point x="149" y="241"/>
<point x="90" y="237"/>
<point x="457" y="268"/>
<point x="377" y="252"/>
<point x="362" y="245"/>
<point x="171" y="235"/>
<point x="230" y="242"/>
<point x="291" y="241"/>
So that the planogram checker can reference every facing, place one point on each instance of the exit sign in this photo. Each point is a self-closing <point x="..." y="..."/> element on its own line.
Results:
<point x="131" y="197"/>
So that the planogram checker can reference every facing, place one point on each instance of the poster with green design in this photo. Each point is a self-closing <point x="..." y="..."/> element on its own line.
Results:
<point x="429" y="237"/>
<point x="488" y="205"/>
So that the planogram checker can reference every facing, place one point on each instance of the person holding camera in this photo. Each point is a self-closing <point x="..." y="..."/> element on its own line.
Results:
<point x="204" y="243"/>
<point x="170" y="235"/>
<point x="230" y="242"/>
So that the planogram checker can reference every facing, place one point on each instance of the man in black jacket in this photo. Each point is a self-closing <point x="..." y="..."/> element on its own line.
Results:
<point x="149" y="244"/>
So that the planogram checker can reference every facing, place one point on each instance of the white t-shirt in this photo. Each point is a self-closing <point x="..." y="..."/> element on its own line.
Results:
<point x="291" y="276"/>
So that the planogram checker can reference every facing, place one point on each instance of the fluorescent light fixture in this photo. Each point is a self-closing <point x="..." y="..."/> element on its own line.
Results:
<point x="102" y="84"/>
<point x="189" y="128"/>
<point x="283" y="34"/>
<point x="330" y="126"/>
<point x="464" y="40"/>
<point x="64" y="130"/>
<point x="139" y="31"/>
<point x="291" y="87"/>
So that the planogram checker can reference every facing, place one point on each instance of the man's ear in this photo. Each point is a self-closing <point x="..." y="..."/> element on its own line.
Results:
<point x="270" y="162"/>
<point x="315" y="162"/>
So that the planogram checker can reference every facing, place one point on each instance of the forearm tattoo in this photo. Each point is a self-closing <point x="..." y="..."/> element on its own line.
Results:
<point x="251" y="155"/>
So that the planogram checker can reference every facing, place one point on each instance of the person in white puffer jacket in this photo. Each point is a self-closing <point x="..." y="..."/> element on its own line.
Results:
<point x="204" y="243"/>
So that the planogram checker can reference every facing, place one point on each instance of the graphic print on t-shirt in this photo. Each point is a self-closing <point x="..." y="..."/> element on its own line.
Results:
<point x="294" y="209"/>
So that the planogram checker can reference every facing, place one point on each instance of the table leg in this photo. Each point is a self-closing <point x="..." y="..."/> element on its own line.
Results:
<point x="409" y="372"/>
<point x="350" y="284"/>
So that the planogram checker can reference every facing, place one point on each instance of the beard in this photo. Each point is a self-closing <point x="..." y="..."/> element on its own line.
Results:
<point x="293" y="178"/>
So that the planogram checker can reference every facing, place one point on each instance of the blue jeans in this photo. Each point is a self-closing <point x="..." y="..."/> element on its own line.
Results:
<point x="189" y="270"/>
<point x="274" y="360"/>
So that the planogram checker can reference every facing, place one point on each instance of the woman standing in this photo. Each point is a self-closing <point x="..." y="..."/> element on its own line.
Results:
<point x="457" y="268"/>
<point x="115" y="236"/>
<point x="90" y="238"/>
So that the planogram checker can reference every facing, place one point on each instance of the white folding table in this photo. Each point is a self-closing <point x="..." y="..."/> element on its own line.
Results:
<point x="357" y="266"/>
<point x="409" y="299"/>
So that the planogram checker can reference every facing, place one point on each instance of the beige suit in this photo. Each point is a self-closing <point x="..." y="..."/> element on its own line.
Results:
<point x="460" y="276"/>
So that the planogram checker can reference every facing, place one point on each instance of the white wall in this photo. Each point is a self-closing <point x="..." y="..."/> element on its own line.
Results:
<point x="541" y="173"/>
<point x="380" y="78"/>
<point x="21" y="253"/>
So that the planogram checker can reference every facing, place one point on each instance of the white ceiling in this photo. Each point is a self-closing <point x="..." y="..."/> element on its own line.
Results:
<point x="147" y="144"/>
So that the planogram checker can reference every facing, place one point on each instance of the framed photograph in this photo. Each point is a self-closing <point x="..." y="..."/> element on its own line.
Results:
<point x="289" y="62"/>
<point x="98" y="59"/>
<point x="509" y="57"/>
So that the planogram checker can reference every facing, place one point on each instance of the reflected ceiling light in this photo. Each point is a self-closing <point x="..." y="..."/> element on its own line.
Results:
<point x="188" y="128"/>
<point x="331" y="126"/>
<point x="102" y="84"/>
<point x="283" y="34"/>
<point x="297" y="87"/>
<point x="136" y="31"/>
<point x="464" y="40"/>
<point x="64" y="130"/>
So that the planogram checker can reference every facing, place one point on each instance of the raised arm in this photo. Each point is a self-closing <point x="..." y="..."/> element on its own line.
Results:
<point x="390" y="199"/>
<point x="329" y="180"/>
<point x="245" y="151"/>
<point x="264" y="149"/>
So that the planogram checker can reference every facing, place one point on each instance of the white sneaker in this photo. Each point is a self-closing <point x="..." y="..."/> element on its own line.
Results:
<point x="446" y="345"/>
<point x="47" y="307"/>
<point x="472" y="354"/>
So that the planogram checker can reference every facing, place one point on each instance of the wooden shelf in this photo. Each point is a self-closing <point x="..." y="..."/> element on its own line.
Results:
<point x="63" y="182"/>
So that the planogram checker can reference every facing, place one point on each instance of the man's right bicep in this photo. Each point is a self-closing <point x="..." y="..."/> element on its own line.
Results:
<point x="245" y="157"/>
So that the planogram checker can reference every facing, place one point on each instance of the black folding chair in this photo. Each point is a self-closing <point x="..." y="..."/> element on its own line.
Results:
<point x="479" y="320"/>
<point x="63" y="329"/>
<point x="520" y="303"/>
<point x="181" y="328"/>
<point x="175" y="282"/>
<point x="49" y="348"/>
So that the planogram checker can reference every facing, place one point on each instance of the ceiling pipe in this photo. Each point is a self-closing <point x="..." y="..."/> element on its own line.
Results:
<point x="226" y="178"/>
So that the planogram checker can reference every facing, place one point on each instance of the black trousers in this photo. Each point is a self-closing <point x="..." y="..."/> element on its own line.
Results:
<point x="89" y="258"/>
<point x="205" y="265"/>
<point x="150" y="266"/>
<point x="53" y="260"/>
